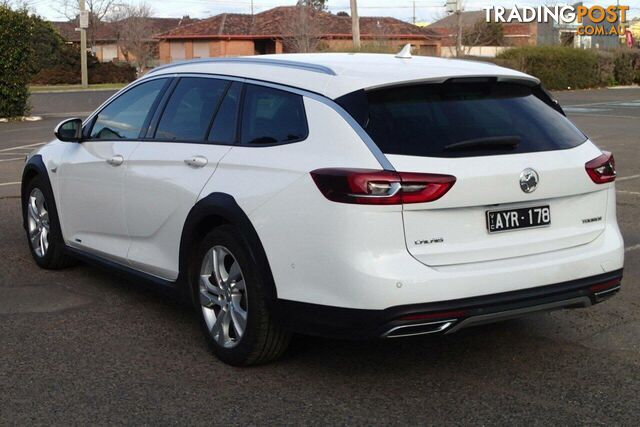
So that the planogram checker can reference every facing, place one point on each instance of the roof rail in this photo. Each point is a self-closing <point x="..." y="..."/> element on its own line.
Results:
<point x="316" y="68"/>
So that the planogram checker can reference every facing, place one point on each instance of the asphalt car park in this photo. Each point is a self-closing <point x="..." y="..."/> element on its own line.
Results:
<point x="81" y="345"/>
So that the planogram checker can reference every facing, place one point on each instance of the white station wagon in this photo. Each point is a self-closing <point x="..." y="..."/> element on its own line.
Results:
<point x="342" y="195"/>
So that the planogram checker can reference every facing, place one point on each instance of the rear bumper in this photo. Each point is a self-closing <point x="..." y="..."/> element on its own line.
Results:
<point x="443" y="316"/>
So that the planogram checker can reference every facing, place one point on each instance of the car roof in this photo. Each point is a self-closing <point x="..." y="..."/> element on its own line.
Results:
<point x="336" y="74"/>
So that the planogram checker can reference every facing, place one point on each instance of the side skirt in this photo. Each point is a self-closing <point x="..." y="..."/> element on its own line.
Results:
<point x="164" y="286"/>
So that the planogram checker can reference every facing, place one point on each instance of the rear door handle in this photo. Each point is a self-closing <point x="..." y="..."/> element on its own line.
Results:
<point x="116" y="160"/>
<point x="196" y="161"/>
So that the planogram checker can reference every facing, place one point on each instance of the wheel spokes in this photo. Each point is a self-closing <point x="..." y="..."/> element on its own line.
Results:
<point x="208" y="300"/>
<point x="239" y="317"/>
<point x="44" y="240"/>
<point x="223" y="296"/>
<point x="205" y="283"/>
<point x="33" y="209"/>
<point x="234" y="272"/>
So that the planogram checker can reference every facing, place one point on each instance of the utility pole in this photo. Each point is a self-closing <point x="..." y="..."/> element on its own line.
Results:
<point x="84" y="23"/>
<point x="459" y="27"/>
<point x="252" y="7"/>
<point x="414" y="12"/>
<point x="355" y="24"/>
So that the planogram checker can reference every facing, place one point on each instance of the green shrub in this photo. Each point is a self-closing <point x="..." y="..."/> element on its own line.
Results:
<point x="16" y="28"/>
<point x="606" y="67"/>
<point x="624" y="70"/>
<point x="558" y="67"/>
<point x="99" y="72"/>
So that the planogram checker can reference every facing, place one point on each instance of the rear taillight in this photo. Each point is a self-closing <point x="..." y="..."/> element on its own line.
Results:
<point x="376" y="187"/>
<point x="602" y="169"/>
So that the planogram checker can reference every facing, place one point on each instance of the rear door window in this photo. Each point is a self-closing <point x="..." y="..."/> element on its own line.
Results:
<point x="225" y="125"/>
<point x="190" y="109"/>
<point x="466" y="119"/>
<point x="271" y="116"/>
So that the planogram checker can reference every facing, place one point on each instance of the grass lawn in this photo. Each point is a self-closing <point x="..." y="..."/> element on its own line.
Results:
<point x="64" y="88"/>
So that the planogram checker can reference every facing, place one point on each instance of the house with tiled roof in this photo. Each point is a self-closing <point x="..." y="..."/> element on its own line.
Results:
<point x="515" y="33"/>
<point x="104" y="37"/>
<point x="277" y="29"/>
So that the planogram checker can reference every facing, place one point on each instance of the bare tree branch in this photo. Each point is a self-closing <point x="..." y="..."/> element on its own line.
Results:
<point x="302" y="34"/>
<point x="135" y="34"/>
<point x="98" y="10"/>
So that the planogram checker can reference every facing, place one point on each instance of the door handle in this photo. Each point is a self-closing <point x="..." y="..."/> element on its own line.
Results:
<point x="116" y="160"/>
<point x="197" y="161"/>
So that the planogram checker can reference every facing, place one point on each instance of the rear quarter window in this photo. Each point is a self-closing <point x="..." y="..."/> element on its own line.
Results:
<point x="272" y="116"/>
<point x="430" y="119"/>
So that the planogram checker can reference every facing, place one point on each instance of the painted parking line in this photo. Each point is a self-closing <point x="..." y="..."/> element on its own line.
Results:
<point x="626" y="178"/>
<point x="632" y="248"/>
<point x="22" y="146"/>
<point x="4" y="184"/>
<point x="12" y="160"/>
<point x="635" y="193"/>
<point x="609" y="116"/>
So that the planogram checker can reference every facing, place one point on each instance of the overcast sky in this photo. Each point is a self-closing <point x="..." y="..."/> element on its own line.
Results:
<point x="425" y="10"/>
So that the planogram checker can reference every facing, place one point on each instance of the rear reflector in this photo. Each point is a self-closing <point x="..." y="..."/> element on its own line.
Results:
<point x="604" y="286"/>
<point x="602" y="169"/>
<point x="377" y="187"/>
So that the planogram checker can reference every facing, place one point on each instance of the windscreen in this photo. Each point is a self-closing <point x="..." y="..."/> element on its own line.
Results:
<point x="463" y="119"/>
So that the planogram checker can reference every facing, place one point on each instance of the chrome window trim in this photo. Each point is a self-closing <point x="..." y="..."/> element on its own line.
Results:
<point x="362" y="134"/>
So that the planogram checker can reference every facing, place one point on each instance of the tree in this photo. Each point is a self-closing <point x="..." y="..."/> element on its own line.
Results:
<point x="135" y="33"/>
<point x="483" y="34"/>
<point x="49" y="49"/>
<point x="342" y="13"/>
<point x="98" y="10"/>
<point x="16" y="54"/>
<point x="316" y="4"/>
<point x="302" y="35"/>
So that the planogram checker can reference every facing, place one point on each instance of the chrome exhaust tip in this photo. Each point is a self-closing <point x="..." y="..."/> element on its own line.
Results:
<point x="608" y="293"/>
<point x="419" y="329"/>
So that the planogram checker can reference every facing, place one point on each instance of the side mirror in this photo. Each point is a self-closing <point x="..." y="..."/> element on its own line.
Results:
<point x="69" y="130"/>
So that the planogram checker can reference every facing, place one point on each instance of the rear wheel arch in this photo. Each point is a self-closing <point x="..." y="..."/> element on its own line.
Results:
<point x="210" y="212"/>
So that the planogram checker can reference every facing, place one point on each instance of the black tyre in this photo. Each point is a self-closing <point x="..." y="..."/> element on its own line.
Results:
<point x="44" y="235"/>
<point x="231" y="298"/>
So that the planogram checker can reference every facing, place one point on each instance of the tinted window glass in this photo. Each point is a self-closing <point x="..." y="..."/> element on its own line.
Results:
<point x="190" y="109"/>
<point x="481" y="118"/>
<point x="124" y="117"/>
<point x="225" y="124"/>
<point x="272" y="116"/>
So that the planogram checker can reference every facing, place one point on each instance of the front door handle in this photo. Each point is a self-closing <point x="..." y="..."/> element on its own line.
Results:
<point x="197" y="161"/>
<point x="116" y="160"/>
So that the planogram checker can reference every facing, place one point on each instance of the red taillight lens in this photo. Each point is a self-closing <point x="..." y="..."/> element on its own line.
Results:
<point x="375" y="187"/>
<point x="602" y="169"/>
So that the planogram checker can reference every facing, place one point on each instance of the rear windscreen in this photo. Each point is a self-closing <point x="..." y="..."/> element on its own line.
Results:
<point x="466" y="119"/>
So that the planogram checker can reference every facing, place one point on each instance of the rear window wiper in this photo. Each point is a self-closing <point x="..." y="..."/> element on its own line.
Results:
<point x="489" y="142"/>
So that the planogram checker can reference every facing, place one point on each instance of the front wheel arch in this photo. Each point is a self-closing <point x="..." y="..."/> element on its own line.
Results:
<point x="210" y="212"/>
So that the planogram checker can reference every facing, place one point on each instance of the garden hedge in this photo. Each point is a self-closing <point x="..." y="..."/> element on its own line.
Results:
<point x="16" y="29"/>
<point x="569" y="68"/>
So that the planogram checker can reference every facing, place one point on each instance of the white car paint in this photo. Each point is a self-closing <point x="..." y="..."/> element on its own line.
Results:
<point x="341" y="255"/>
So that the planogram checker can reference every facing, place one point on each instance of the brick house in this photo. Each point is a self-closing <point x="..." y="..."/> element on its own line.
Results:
<point x="231" y="34"/>
<point x="105" y="35"/>
<point x="515" y="33"/>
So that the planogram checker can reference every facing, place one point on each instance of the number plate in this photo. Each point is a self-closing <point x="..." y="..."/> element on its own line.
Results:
<point x="515" y="219"/>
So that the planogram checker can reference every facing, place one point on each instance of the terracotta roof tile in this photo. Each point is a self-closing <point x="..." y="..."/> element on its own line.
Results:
<point x="108" y="31"/>
<point x="275" y="23"/>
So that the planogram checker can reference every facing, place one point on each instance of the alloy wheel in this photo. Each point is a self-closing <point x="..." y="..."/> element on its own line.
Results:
<point x="223" y="296"/>
<point x="38" y="222"/>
